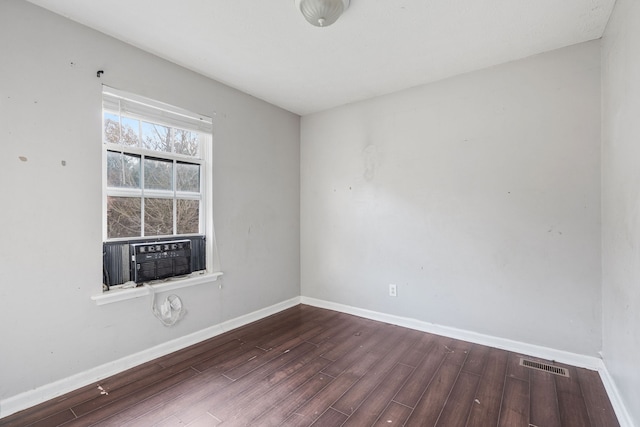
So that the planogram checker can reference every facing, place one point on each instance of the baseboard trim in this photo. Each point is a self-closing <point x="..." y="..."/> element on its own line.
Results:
<point x="624" y="417"/>
<point x="41" y="394"/>
<point x="574" y="359"/>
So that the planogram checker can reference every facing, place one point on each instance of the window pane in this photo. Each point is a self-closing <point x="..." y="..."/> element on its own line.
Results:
<point x="158" y="216"/>
<point x="186" y="142"/>
<point x="111" y="128"/>
<point x="130" y="130"/>
<point x="188" y="177"/>
<point x="188" y="214"/>
<point x="123" y="217"/>
<point x="123" y="170"/>
<point x="156" y="137"/>
<point x="158" y="174"/>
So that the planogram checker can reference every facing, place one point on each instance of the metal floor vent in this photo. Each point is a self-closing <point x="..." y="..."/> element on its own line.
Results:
<point x="544" y="367"/>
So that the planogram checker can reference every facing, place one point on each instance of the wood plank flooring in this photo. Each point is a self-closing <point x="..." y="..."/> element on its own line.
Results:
<point x="309" y="366"/>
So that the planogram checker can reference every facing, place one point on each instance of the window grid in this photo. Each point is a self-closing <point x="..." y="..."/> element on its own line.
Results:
<point x="142" y="192"/>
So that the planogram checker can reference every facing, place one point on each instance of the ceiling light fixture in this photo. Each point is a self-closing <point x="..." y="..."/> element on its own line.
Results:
<point x="322" y="13"/>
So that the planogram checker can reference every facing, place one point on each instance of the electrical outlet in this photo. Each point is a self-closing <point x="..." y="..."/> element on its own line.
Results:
<point x="393" y="290"/>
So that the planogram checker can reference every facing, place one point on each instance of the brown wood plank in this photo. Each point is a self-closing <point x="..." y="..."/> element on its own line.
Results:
<point x="205" y="388"/>
<point x="486" y="408"/>
<point x="423" y="374"/>
<point x="205" y="420"/>
<point x="191" y="355"/>
<point x="414" y="356"/>
<point x="573" y="411"/>
<point x="353" y="356"/>
<point x="205" y="359"/>
<point x="458" y="351"/>
<point x="331" y="418"/>
<point x="262" y="393"/>
<point x="246" y="333"/>
<point x="304" y="332"/>
<point x="184" y="397"/>
<point x="475" y="362"/>
<point x="129" y="376"/>
<point x="107" y="397"/>
<point x="275" y="415"/>
<point x="263" y="333"/>
<point x="458" y="405"/>
<point x="230" y="359"/>
<point x="349" y="401"/>
<point x="226" y="394"/>
<point x="275" y="324"/>
<point x="54" y="420"/>
<point x="430" y="405"/>
<point x="168" y="422"/>
<point x="544" y="400"/>
<point x="292" y="344"/>
<point x="368" y="412"/>
<point x="596" y="400"/>
<point x="314" y="407"/>
<point x="208" y="384"/>
<point x="280" y="391"/>
<point x="138" y="400"/>
<point x="353" y="348"/>
<point x="341" y="327"/>
<point x="514" y="370"/>
<point x="170" y="402"/>
<point x="395" y="414"/>
<point x="295" y="420"/>
<point x="346" y="340"/>
<point x="68" y="400"/>
<point x="515" y="403"/>
<point x="38" y="413"/>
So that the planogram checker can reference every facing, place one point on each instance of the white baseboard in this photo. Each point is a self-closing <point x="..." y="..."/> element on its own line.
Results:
<point x="49" y="391"/>
<point x="624" y="417"/>
<point x="574" y="359"/>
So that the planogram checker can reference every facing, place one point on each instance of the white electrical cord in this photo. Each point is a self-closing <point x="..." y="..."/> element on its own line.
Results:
<point x="171" y="310"/>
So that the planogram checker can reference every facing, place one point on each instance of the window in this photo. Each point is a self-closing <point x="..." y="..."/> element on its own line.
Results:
<point x="156" y="160"/>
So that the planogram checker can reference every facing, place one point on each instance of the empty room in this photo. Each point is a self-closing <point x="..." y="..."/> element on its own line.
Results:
<point x="320" y="212"/>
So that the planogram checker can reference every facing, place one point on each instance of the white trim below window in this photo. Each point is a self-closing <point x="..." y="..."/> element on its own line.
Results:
<point x="123" y="294"/>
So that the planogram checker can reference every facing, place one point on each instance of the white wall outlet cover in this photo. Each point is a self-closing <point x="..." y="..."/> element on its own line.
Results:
<point x="393" y="290"/>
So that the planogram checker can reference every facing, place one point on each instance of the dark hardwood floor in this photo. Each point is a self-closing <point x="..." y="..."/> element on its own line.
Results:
<point x="310" y="366"/>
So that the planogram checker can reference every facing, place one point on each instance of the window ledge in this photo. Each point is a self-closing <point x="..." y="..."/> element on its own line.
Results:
<point x="115" y="295"/>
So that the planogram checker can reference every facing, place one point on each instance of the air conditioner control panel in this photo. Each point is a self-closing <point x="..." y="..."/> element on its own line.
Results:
<point x="159" y="260"/>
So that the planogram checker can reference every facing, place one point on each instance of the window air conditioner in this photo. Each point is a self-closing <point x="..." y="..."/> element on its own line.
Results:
<point x="159" y="260"/>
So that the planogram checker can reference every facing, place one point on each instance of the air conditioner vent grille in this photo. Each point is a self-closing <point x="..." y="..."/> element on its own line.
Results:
<point x="556" y="370"/>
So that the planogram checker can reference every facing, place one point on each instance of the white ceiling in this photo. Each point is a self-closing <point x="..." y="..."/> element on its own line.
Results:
<point x="267" y="49"/>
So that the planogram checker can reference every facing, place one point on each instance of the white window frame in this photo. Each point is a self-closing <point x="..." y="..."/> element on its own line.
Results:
<point x="142" y="108"/>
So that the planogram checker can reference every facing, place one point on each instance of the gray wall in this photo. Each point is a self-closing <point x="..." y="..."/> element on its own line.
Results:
<point x="479" y="196"/>
<point x="621" y="201"/>
<point x="51" y="253"/>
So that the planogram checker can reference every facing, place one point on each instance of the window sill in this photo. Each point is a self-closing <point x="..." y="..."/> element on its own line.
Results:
<point x="115" y="295"/>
